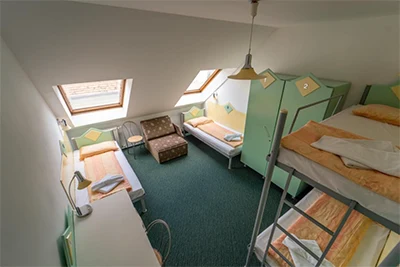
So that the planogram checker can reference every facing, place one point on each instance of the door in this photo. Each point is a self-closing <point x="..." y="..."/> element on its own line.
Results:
<point x="264" y="101"/>
<point x="298" y="93"/>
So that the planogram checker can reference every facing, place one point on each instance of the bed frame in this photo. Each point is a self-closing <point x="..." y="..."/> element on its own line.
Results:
<point x="372" y="94"/>
<point x="95" y="136"/>
<point x="185" y="116"/>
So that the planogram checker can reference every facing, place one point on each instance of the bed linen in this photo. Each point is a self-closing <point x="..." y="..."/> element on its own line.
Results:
<point x="366" y="254"/>
<point x="329" y="212"/>
<point x="212" y="141"/>
<point x="301" y="140"/>
<point x="219" y="132"/>
<point x="96" y="149"/>
<point x="382" y="113"/>
<point x="372" y="129"/>
<point x="97" y="167"/>
<point x="82" y="196"/>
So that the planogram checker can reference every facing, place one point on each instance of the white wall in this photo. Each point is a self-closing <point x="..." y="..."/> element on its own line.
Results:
<point x="75" y="42"/>
<point x="33" y="203"/>
<point x="235" y="92"/>
<point x="360" y="51"/>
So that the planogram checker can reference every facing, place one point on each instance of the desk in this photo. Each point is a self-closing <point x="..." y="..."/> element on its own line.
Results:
<point x="113" y="235"/>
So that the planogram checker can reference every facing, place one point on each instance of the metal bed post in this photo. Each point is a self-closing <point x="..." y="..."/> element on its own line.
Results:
<point x="267" y="182"/>
<point x="277" y="215"/>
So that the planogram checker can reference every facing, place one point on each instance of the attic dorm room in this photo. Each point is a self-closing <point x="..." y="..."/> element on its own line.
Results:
<point x="200" y="133"/>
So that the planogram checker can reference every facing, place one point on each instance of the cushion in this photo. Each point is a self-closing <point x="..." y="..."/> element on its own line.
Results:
<point x="199" y="121"/>
<point x="167" y="142"/>
<point x="96" y="149"/>
<point x="157" y="127"/>
<point x="382" y="113"/>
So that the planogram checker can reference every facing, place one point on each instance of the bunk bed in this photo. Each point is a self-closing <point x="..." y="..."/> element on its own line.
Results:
<point x="378" y="208"/>
<point x="218" y="145"/>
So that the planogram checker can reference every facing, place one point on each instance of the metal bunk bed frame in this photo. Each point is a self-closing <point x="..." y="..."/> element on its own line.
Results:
<point x="393" y="259"/>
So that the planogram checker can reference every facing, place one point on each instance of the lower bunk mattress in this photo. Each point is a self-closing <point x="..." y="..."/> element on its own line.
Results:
<point x="366" y="254"/>
<point x="218" y="145"/>
<point x="82" y="196"/>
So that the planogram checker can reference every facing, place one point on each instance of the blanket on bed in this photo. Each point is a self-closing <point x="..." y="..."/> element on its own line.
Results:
<point x="219" y="132"/>
<point x="98" y="166"/>
<point x="301" y="140"/>
<point x="329" y="212"/>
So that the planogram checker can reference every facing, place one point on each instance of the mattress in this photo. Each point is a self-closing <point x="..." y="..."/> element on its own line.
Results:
<point x="218" y="145"/>
<point x="362" y="126"/>
<point x="367" y="253"/>
<point x="82" y="196"/>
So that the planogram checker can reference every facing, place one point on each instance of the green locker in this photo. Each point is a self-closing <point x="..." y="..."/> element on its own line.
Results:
<point x="289" y="92"/>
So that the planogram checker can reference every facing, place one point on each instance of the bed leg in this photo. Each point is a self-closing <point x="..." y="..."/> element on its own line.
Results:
<point x="143" y="203"/>
<point x="230" y="164"/>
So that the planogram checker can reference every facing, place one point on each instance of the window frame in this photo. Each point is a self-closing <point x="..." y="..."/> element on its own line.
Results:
<point x="96" y="108"/>
<point x="205" y="84"/>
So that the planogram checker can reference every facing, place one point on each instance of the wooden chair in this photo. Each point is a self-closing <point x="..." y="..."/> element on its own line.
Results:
<point x="163" y="237"/>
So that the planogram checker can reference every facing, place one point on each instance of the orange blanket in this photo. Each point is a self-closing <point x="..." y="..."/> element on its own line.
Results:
<point x="301" y="140"/>
<point x="219" y="132"/>
<point x="329" y="212"/>
<point x="98" y="166"/>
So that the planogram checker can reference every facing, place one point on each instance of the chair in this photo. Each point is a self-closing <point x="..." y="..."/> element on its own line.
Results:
<point x="132" y="135"/>
<point x="164" y="239"/>
<point x="163" y="139"/>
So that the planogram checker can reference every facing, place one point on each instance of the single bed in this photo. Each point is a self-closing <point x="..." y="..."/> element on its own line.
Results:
<point x="374" y="206"/>
<point x="137" y="192"/>
<point x="223" y="148"/>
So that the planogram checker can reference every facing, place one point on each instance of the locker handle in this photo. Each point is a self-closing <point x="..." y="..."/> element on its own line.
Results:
<point x="266" y="129"/>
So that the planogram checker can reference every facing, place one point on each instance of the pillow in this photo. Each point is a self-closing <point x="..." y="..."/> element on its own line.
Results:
<point x="382" y="113"/>
<point x="199" y="121"/>
<point x="96" y="149"/>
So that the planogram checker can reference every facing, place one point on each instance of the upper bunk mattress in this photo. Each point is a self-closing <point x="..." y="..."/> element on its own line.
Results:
<point x="82" y="196"/>
<point x="362" y="126"/>
<point x="212" y="141"/>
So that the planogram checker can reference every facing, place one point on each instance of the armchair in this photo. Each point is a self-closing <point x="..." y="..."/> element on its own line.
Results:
<point x="163" y="139"/>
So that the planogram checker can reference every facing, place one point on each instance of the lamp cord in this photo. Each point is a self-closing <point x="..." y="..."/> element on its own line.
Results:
<point x="251" y="33"/>
<point x="69" y="191"/>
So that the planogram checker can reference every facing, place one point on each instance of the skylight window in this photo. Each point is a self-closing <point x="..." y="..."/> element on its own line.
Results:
<point x="93" y="96"/>
<point x="202" y="79"/>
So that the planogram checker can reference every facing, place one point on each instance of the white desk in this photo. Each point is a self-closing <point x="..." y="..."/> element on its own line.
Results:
<point x="113" y="235"/>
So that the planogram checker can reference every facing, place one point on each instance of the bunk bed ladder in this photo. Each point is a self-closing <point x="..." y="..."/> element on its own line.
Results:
<point x="302" y="213"/>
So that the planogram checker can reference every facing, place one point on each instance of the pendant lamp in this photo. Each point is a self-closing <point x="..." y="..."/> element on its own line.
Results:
<point x="247" y="72"/>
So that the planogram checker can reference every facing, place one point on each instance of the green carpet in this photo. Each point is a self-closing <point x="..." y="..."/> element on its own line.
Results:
<point x="210" y="209"/>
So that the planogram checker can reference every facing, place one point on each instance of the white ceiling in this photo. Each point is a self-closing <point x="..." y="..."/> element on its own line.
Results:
<point x="274" y="13"/>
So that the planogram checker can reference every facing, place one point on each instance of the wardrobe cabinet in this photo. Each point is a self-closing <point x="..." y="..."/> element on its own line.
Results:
<point x="280" y="91"/>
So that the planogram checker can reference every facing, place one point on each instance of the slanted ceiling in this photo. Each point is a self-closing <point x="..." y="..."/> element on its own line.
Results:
<point x="275" y="13"/>
<point x="62" y="42"/>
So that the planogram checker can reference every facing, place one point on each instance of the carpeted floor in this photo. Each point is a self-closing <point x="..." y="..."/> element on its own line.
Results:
<point x="210" y="209"/>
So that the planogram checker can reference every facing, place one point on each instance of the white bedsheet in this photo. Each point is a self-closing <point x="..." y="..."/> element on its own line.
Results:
<point x="367" y="253"/>
<point x="220" y="146"/>
<point x="82" y="196"/>
<point x="362" y="126"/>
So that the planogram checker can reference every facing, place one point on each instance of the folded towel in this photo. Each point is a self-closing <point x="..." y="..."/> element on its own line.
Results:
<point x="373" y="155"/>
<point x="107" y="180"/>
<point x="300" y="257"/>
<point x="108" y="188"/>
<point x="233" y="137"/>
<point x="380" y="145"/>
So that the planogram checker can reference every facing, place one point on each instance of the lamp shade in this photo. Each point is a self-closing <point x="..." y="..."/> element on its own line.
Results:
<point x="246" y="74"/>
<point x="82" y="182"/>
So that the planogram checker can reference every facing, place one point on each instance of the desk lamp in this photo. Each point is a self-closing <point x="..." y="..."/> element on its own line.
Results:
<point x="82" y="183"/>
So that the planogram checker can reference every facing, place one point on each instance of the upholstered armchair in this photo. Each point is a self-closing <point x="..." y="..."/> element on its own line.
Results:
<point x="163" y="139"/>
